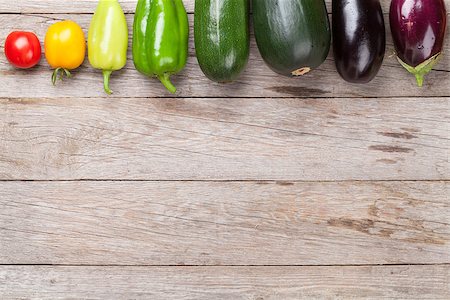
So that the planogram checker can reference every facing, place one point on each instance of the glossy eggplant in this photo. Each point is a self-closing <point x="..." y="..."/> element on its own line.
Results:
<point x="418" y="30"/>
<point x="359" y="39"/>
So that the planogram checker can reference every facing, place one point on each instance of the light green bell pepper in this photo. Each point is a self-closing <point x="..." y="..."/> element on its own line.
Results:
<point x="108" y="39"/>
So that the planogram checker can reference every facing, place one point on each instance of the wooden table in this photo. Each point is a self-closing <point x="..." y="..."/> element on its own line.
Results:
<point x="268" y="188"/>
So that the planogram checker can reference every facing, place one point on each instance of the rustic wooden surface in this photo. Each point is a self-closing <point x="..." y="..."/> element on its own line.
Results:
<point x="257" y="81"/>
<point x="225" y="223"/>
<point x="87" y="6"/>
<point x="271" y="283"/>
<point x="267" y="188"/>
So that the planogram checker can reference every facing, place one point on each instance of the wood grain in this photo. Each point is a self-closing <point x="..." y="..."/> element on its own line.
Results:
<point x="224" y="223"/>
<point x="270" y="194"/>
<point x="256" y="283"/>
<point x="88" y="6"/>
<point x="257" y="81"/>
<point x="224" y="139"/>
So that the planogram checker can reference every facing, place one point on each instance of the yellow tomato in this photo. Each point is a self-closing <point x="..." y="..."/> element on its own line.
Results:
<point x="65" y="46"/>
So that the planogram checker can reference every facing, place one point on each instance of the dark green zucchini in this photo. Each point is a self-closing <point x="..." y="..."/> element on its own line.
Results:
<point x="293" y="36"/>
<point x="221" y="29"/>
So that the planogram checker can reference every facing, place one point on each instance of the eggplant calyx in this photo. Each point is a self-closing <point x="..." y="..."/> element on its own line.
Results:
<point x="301" y="71"/>
<point x="422" y="69"/>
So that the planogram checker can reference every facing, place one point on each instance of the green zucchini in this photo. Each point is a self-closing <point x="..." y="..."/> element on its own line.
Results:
<point x="221" y="30"/>
<point x="293" y="36"/>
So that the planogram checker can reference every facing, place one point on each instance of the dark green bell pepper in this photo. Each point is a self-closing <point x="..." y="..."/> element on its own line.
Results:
<point x="160" y="39"/>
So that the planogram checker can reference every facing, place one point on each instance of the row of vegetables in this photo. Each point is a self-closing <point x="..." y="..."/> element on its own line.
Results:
<point x="293" y="37"/>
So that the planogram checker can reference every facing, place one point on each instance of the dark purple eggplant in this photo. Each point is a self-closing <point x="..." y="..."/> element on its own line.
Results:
<point x="418" y="30"/>
<point x="359" y="39"/>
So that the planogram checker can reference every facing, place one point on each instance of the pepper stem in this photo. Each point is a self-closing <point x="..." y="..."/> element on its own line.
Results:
<point x="165" y="80"/>
<point x="59" y="73"/>
<point x="106" y="76"/>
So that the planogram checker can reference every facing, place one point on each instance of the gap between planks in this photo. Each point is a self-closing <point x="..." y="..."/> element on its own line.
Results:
<point x="225" y="180"/>
<point x="306" y="97"/>
<point x="226" y="265"/>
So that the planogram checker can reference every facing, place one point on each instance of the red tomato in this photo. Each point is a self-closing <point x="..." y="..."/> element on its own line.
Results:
<point x="23" y="49"/>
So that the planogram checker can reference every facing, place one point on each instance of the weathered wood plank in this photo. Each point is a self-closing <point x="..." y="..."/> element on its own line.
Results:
<point x="225" y="139"/>
<point x="224" y="223"/>
<point x="257" y="81"/>
<point x="393" y="282"/>
<point x="88" y="6"/>
<point x="74" y="6"/>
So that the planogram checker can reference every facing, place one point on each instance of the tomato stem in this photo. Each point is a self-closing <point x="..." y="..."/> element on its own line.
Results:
<point x="59" y="73"/>
<point x="67" y="72"/>
<point x="55" y="75"/>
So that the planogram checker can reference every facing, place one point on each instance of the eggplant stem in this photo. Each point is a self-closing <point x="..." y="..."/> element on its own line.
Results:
<point x="106" y="76"/>
<point x="165" y="80"/>
<point x="419" y="79"/>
